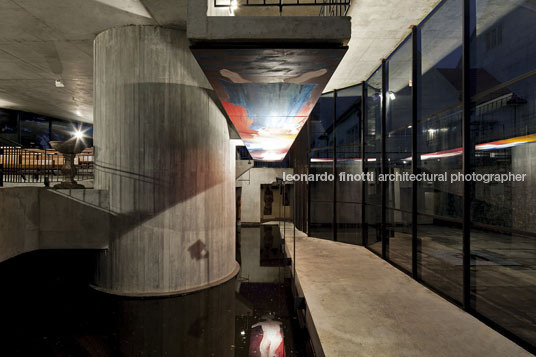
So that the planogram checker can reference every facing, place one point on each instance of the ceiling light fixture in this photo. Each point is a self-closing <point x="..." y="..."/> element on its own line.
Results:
<point x="78" y="134"/>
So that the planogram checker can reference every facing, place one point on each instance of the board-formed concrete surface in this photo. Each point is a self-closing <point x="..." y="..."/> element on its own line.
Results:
<point x="45" y="40"/>
<point x="360" y="305"/>
<point x="39" y="218"/>
<point x="162" y="151"/>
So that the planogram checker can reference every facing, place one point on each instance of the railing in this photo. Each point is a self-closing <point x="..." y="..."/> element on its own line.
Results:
<point x="327" y="7"/>
<point x="20" y="165"/>
<point x="8" y="142"/>
<point x="335" y="8"/>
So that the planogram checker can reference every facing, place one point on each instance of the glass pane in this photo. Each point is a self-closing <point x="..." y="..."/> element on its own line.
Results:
<point x="348" y="117"/>
<point x="503" y="244"/>
<point x="503" y="267"/>
<point x="321" y="220"/>
<point x="349" y="222"/>
<point x="399" y="233"/>
<point x="349" y="165"/>
<point x="398" y="153"/>
<point x="440" y="254"/>
<point x="399" y="88"/>
<point x="372" y="158"/>
<point x="9" y="133"/>
<point x="373" y="169"/>
<point x="35" y="131"/>
<point x="439" y="146"/>
<point x="321" y="224"/>
<point x="504" y="46"/>
<point x="8" y="121"/>
<point x="372" y="162"/>
<point x="373" y="227"/>
<point x="374" y="107"/>
<point x="321" y="122"/>
<point x="298" y="158"/>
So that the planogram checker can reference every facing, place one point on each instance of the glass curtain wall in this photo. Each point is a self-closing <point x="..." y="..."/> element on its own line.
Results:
<point x="9" y="127"/>
<point x="372" y="162"/>
<point x="333" y="205"/>
<point x="473" y="243"/>
<point x="321" y="156"/>
<point x="398" y="155"/>
<point x="503" y="134"/>
<point x="35" y="131"/>
<point x="348" y="149"/>
<point x="299" y="158"/>
<point x="439" y="147"/>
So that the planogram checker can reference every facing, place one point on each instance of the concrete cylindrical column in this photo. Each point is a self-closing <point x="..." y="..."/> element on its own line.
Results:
<point x="162" y="151"/>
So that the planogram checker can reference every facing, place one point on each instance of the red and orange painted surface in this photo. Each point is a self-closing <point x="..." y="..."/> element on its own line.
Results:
<point x="268" y="93"/>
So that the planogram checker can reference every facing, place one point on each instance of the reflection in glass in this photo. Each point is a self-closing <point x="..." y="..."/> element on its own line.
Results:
<point x="8" y="122"/>
<point x="398" y="229"/>
<point x="372" y="162"/>
<point x="440" y="254"/>
<point x="503" y="128"/>
<point x="373" y="226"/>
<point x="321" y="192"/>
<point x="35" y="131"/>
<point x="348" y="140"/>
<point x="439" y="144"/>
<point x="398" y="154"/>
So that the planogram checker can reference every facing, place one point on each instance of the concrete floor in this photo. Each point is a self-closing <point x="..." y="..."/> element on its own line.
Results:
<point x="362" y="306"/>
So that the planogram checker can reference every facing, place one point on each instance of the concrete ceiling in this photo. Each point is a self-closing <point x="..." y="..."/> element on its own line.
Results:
<point x="45" y="40"/>
<point x="378" y="27"/>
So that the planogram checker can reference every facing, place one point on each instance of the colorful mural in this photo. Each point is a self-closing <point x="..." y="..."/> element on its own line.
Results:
<point x="268" y="93"/>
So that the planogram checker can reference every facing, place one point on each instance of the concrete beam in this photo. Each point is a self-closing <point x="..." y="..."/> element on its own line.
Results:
<point x="204" y="25"/>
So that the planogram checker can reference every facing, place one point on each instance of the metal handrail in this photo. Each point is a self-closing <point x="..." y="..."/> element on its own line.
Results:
<point x="328" y="7"/>
<point x="8" y="142"/>
<point x="21" y="165"/>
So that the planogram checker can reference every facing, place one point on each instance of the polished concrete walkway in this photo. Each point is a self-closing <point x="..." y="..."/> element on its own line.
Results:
<point x="360" y="305"/>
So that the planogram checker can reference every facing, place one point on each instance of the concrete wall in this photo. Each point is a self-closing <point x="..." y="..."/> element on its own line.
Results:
<point x="162" y="150"/>
<point x="35" y="218"/>
<point x="203" y="26"/>
<point x="251" y="190"/>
